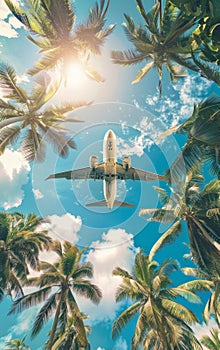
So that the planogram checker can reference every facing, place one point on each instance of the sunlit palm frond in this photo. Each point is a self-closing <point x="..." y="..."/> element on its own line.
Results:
<point x="212" y="342"/>
<point x="18" y="13"/>
<point x="124" y="318"/>
<point x="207" y="70"/>
<point x="61" y="15"/>
<point x="127" y="57"/>
<point x="47" y="62"/>
<point x="33" y="147"/>
<point x="179" y="311"/>
<point x="8" y="84"/>
<point x="169" y="236"/>
<point x="44" y="314"/>
<point x="9" y="136"/>
<point x="29" y="300"/>
<point x="151" y="18"/>
<point x="159" y="215"/>
<point x="88" y="290"/>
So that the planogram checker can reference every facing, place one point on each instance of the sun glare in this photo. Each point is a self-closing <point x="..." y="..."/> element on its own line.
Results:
<point x="75" y="75"/>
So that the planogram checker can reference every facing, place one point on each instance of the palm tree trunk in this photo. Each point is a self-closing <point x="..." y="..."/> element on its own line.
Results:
<point x="160" y="332"/>
<point x="55" y="322"/>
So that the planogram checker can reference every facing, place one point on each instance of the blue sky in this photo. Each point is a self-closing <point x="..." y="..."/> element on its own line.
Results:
<point x="137" y="116"/>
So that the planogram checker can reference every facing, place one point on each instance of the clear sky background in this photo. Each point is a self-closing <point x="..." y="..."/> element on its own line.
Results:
<point x="137" y="115"/>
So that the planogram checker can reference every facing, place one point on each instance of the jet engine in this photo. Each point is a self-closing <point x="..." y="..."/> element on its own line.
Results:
<point x="126" y="162"/>
<point x="93" y="162"/>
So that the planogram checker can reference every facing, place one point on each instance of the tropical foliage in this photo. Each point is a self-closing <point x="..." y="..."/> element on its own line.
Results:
<point x="164" y="39"/>
<point x="21" y="116"/>
<point x="182" y="36"/>
<point x="53" y="23"/>
<point x="21" y="240"/>
<point x="206" y="281"/>
<point x="203" y="132"/>
<point x="162" y="322"/>
<point x="58" y="283"/>
<point x="199" y="209"/>
<point x="17" y="344"/>
<point x="212" y="342"/>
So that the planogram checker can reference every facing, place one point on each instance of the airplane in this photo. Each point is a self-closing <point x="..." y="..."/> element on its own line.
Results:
<point x="109" y="170"/>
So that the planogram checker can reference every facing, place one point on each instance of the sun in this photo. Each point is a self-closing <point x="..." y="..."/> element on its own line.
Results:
<point x="75" y="75"/>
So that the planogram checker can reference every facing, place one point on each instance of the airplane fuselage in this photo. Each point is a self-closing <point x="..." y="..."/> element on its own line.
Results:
<point x="109" y="170"/>
<point x="109" y="158"/>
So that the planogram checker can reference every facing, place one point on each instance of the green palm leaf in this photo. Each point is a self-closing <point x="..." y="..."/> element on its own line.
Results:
<point x="29" y="300"/>
<point x="124" y="318"/>
<point x="8" y="83"/>
<point x="44" y="314"/>
<point x="169" y="236"/>
<point x="88" y="290"/>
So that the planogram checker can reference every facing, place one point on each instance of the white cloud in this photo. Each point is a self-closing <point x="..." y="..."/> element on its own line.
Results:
<point x="37" y="193"/>
<point x="64" y="227"/>
<point x="4" y="340"/>
<point x="14" y="171"/>
<point x="204" y="329"/>
<point x="121" y="344"/>
<point x="8" y="23"/>
<point x="4" y="10"/>
<point x="115" y="249"/>
<point x="14" y="22"/>
<point x="7" y="30"/>
<point x="24" y="321"/>
<point x="22" y="78"/>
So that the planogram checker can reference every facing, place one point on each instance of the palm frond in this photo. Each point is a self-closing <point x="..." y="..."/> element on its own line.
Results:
<point x="60" y="15"/>
<point x="18" y="13"/>
<point x="44" y="314"/>
<point x="118" y="271"/>
<point x="33" y="146"/>
<point x="31" y="299"/>
<point x="8" y="83"/>
<point x="93" y="74"/>
<point x="126" y="58"/>
<point x="159" y="215"/>
<point x="143" y="72"/>
<point x="48" y="61"/>
<point x="179" y="311"/>
<point x="151" y="17"/>
<point x="207" y="70"/>
<point x="169" y="236"/>
<point x="124" y="318"/>
<point x="88" y="290"/>
<point x="9" y="136"/>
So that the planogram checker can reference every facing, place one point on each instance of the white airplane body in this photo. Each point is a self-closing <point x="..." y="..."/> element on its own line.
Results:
<point x="109" y="171"/>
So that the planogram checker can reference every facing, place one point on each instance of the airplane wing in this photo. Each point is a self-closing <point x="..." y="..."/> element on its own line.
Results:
<point x="80" y="174"/>
<point x="136" y="174"/>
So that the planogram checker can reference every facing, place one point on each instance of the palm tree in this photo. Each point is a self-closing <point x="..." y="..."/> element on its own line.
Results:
<point x="53" y="22"/>
<point x="20" y="244"/>
<point x="70" y="338"/>
<point x="162" y="322"/>
<point x="203" y="131"/>
<point x="203" y="282"/>
<point x="22" y="112"/>
<point x="17" y="344"/>
<point x="164" y="39"/>
<point x="212" y="342"/>
<point x="58" y="284"/>
<point x="199" y="209"/>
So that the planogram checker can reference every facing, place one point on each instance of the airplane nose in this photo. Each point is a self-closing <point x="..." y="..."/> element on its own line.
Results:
<point x="111" y="134"/>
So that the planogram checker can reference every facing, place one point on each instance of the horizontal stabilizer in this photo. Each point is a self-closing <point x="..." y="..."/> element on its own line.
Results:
<point x="103" y="203"/>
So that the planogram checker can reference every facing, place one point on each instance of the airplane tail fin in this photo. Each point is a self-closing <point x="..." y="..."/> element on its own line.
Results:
<point x="103" y="203"/>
